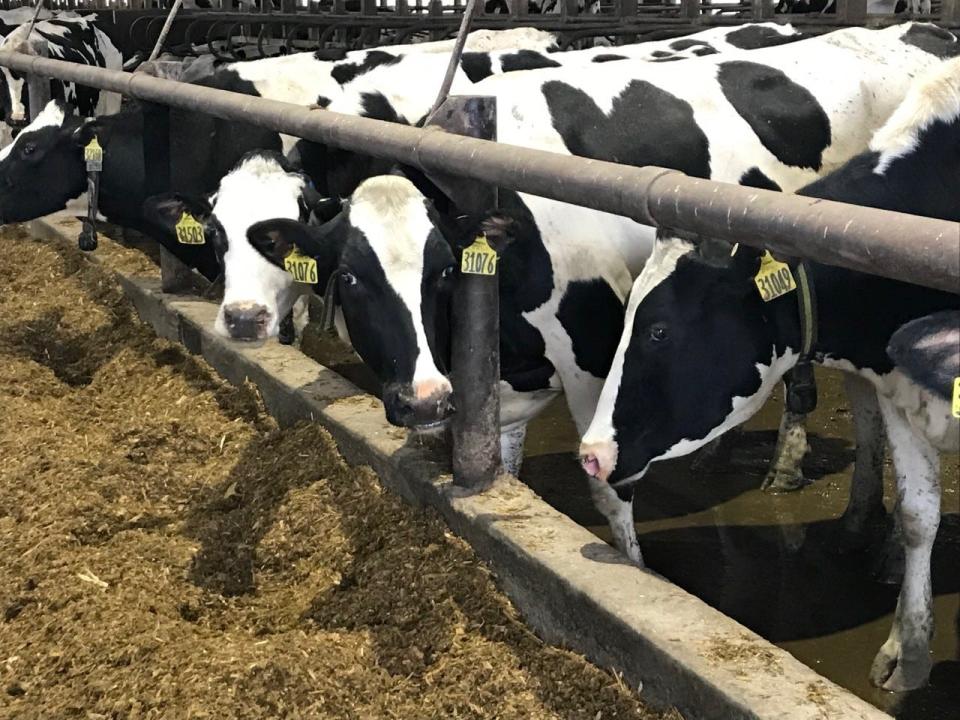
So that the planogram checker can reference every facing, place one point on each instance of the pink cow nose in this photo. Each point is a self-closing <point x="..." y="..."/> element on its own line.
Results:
<point x="598" y="459"/>
<point x="590" y="464"/>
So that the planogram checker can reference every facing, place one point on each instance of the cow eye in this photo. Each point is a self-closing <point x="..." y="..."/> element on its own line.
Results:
<point x="658" y="332"/>
<point x="349" y="279"/>
<point x="29" y="149"/>
<point x="447" y="272"/>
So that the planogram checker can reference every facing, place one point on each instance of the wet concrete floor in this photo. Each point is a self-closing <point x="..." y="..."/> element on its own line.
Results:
<point x="772" y="562"/>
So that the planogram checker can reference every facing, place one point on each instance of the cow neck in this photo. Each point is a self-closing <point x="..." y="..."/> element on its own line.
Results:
<point x="794" y="316"/>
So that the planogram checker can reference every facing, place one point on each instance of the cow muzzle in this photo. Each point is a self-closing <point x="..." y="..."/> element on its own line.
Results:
<point x="246" y="321"/>
<point x="426" y="406"/>
<point x="598" y="459"/>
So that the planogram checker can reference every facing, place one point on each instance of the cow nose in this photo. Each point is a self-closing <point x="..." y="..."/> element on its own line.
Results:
<point x="598" y="459"/>
<point x="246" y="321"/>
<point x="408" y="408"/>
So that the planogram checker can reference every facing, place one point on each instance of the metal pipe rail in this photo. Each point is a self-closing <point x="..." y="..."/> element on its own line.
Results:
<point x="918" y="250"/>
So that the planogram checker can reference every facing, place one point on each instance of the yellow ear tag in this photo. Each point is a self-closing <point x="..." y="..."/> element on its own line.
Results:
<point x="93" y="155"/>
<point x="479" y="258"/>
<point x="774" y="278"/>
<point x="303" y="268"/>
<point x="189" y="230"/>
<point x="956" y="397"/>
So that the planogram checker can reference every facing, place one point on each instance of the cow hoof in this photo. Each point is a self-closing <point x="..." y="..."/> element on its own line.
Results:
<point x="87" y="241"/>
<point x="780" y="481"/>
<point x="899" y="674"/>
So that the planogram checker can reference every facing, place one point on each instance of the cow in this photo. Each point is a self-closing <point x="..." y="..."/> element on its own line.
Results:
<point x="701" y="351"/>
<point x="12" y="19"/>
<point x="567" y="270"/>
<point x="76" y="39"/>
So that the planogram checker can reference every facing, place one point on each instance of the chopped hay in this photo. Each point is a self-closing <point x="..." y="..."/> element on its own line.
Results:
<point x="167" y="552"/>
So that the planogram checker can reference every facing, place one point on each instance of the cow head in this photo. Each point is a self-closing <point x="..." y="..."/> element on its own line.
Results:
<point x="257" y="295"/>
<point x="699" y="354"/>
<point x="392" y="273"/>
<point x="43" y="168"/>
<point x="16" y="103"/>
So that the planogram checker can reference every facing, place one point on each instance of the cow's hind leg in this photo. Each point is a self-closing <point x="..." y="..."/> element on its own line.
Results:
<point x="903" y="662"/>
<point x="619" y="513"/>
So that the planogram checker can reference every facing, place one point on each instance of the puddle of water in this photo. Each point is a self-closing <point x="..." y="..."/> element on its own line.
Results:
<point x="771" y="562"/>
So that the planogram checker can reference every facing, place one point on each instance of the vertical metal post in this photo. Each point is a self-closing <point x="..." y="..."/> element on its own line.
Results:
<point x="38" y="88"/>
<point x="475" y="356"/>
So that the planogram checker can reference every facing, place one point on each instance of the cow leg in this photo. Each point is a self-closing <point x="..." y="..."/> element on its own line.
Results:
<point x="511" y="448"/>
<point x="785" y="473"/>
<point x="286" y="333"/>
<point x="865" y="510"/>
<point x="619" y="513"/>
<point x="903" y="662"/>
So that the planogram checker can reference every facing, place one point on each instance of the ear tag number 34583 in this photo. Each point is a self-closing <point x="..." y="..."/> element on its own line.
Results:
<point x="774" y="278"/>
<point x="93" y="156"/>
<point x="189" y="230"/>
<point x="479" y="258"/>
<point x="303" y="268"/>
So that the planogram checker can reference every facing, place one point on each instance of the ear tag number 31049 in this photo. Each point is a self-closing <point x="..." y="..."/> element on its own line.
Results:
<point x="774" y="278"/>
<point x="479" y="258"/>
<point x="303" y="268"/>
<point x="93" y="156"/>
<point x="189" y="230"/>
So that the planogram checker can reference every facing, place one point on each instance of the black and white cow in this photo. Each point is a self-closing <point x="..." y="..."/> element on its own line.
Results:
<point x="12" y="19"/>
<point x="701" y="351"/>
<point x="778" y="122"/>
<point x="73" y="39"/>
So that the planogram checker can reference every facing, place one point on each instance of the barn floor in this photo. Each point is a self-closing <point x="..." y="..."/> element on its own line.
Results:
<point x="167" y="552"/>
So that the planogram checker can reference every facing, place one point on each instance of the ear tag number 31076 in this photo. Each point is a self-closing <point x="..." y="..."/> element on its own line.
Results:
<point x="189" y="230"/>
<point x="303" y="268"/>
<point x="93" y="156"/>
<point x="479" y="258"/>
<point x="774" y="278"/>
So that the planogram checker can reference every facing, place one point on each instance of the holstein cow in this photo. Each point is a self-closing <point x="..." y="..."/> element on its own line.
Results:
<point x="566" y="270"/>
<point x="701" y="352"/>
<point x="11" y="19"/>
<point x="43" y="170"/>
<point x="76" y="40"/>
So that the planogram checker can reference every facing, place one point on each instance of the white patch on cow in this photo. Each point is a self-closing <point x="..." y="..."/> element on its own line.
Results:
<point x="258" y="189"/>
<point x="390" y="212"/>
<point x="934" y="97"/>
<point x="52" y="115"/>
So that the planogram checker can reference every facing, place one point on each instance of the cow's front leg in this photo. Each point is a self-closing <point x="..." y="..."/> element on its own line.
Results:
<point x="619" y="513"/>
<point x="785" y="473"/>
<point x="511" y="448"/>
<point x="903" y="662"/>
<point x="865" y="511"/>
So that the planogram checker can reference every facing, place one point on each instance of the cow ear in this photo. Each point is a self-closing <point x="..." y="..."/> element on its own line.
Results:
<point x="275" y="239"/>
<point x="88" y="129"/>
<point x="500" y="231"/>
<point x="166" y="210"/>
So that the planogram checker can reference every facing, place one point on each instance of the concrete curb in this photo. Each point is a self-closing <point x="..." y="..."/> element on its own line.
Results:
<point x="572" y="589"/>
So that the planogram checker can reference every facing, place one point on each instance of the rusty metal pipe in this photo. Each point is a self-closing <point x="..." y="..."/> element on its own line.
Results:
<point x="914" y="249"/>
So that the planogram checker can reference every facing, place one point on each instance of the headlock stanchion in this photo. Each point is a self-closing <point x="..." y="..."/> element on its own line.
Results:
<point x="475" y="352"/>
<point x="914" y="249"/>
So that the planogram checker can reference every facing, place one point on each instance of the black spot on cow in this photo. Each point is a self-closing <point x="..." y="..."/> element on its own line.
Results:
<point x="661" y="54"/>
<point x="607" y="57"/>
<point x="331" y="54"/>
<point x="377" y="107"/>
<point x="785" y="116"/>
<point x="672" y="58"/>
<point x="751" y="37"/>
<point x="323" y="101"/>
<point x="703" y="51"/>
<point x="476" y="66"/>
<point x="346" y="72"/>
<point x="526" y="60"/>
<point x="754" y="177"/>
<point x="684" y="43"/>
<point x="932" y="39"/>
<point x="592" y="315"/>
<point x="646" y="126"/>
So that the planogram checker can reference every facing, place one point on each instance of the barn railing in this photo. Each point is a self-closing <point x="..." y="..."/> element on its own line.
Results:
<point x="914" y="249"/>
